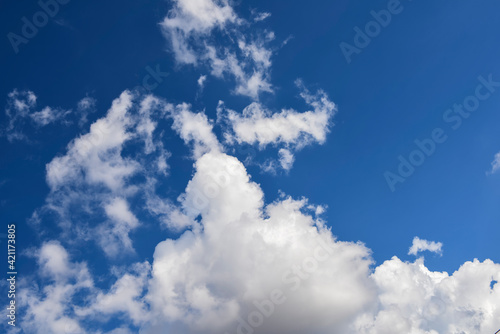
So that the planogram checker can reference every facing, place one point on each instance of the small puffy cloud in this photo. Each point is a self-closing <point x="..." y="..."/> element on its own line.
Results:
<point x="290" y="129"/>
<point x="201" y="81"/>
<point x="258" y="125"/>
<point x="421" y="245"/>
<point x="286" y="159"/>
<point x="53" y="260"/>
<point x="495" y="165"/>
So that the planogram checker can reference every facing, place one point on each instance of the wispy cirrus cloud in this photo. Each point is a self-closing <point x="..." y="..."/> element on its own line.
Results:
<point x="21" y="111"/>
<point x="23" y="114"/>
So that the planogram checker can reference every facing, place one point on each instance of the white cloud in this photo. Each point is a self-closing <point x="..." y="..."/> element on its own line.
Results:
<point x="50" y="309"/>
<point x="413" y="299"/>
<point x="96" y="156"/>
<point x="238" y="263"/>
<point x="86" y="103"/>
<point x="48" y="115"/>
<point x="245" y="251"/>
<point x="21" y="109"/>
<point x="53" y="261"/>
<point x="124" y="297"/>
<point x="495" y="165"/>
<point x="161" y="161"/>
<point x="421" y="245"/>
<point x="253" y="85"/>
<point x="271" y="268"/>
<point x="84" y="107"/>
<point x="285" y="162"/>
<point x="145" y="124"/>
<point x="258" y="125"/>
<point x="195" y="129"/>
<point x="201" y="81"/>
<point x="258" y="53"/>
<point x="261" y="16"/>
<point x="194" y="19"/>
<point x="261" y="269"/>
<point x="169" y="215"/>
<point x="114" y="236"/>
<point x="92" y="177"/>
<point x="286" y="159"/>
<point x="288" y="129"/>
<point x="58" y="307"/>
<point x="250" y="70"/>
<point x="246" y="58"/>
<point x="221" y="277"/>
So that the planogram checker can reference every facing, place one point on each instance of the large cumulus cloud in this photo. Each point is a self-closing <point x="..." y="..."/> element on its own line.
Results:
<point x="247" y="257"/>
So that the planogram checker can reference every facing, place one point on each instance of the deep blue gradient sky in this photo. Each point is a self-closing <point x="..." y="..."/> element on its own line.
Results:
<point x="392" y="93"/>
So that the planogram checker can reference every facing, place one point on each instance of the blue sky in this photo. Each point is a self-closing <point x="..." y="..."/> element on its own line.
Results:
<point x="394" y="91"/>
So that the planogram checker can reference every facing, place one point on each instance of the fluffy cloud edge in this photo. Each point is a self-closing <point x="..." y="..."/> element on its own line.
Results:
<point x="421" y="245"/>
